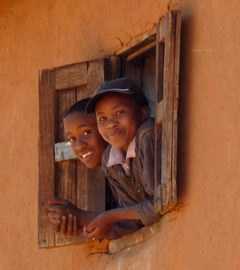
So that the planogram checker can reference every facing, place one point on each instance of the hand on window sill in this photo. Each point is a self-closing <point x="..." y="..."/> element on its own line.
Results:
<point x="100" y="227"/>
<point x="64" y="217"/>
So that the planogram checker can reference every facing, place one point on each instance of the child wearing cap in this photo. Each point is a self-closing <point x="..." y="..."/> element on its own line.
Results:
<point x="81" y="131"/>
<point x="128" y="161"/>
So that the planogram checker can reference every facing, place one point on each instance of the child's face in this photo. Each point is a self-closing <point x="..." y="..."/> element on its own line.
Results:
<point x="81" y="131"/>
<point x="117" y="119"/>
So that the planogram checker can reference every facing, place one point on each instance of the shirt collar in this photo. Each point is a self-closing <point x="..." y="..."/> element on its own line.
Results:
<point x="117" y="157"/>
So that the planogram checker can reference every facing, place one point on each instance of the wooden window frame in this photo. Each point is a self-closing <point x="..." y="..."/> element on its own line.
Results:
<point x="85" y="77"/>
<point x="166" y="40"/>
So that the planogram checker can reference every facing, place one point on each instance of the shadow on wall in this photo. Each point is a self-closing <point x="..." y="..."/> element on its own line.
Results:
<point x="184" y="109"/>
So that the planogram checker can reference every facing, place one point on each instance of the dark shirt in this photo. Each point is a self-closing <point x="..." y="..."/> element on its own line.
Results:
<point x="136" y="188"/>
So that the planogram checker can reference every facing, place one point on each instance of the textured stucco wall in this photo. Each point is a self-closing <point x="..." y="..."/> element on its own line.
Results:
<point x="204" y="233"/>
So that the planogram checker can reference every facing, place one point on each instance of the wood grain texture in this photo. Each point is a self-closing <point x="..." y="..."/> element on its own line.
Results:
<point x="65" y="170"/>
<point x="71" y="76"/>
<point x="95" y="75"/>
<point x="46" y="153"/>
<point x="67" y="179"/>
<point x="168" y="50"/>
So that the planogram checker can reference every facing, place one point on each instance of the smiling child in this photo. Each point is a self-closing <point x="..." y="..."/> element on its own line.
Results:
<point x="81" y="131"/>
<point x="128" y="162"/>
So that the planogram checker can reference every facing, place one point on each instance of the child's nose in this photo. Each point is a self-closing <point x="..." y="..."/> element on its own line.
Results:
<point x="112" y="122"/>
<point x="79" y="143"/>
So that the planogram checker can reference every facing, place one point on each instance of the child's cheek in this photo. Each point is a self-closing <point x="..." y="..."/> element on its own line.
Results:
<point x="101" y="131"/>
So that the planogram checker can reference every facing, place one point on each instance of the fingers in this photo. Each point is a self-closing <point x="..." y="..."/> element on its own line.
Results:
<point x="94" y="234"/>
<point x="68" y="226"/>
<point x="72" y="228"/>
<point x="91" y="226"/>
<point x="63" y="225"/>
<point x="54" y="221"/>
<point x="54" y="218"/>
<point x="57" y="210"/>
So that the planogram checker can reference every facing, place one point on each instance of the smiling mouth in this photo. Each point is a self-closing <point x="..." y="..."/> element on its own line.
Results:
<point x="115" y="133"/>
<point x="85" y="155"/>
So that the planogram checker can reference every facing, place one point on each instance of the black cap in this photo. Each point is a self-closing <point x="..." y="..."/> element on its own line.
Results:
<point x="121" y="85"/>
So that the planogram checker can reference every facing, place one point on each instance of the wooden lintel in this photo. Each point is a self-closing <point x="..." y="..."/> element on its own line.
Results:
<point x="71" y="76"/>
<point x="146" y="37"/>
<point x="141" y="51"/>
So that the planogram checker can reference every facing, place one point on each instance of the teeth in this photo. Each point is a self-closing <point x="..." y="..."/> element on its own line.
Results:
<point x="86" y="154"/>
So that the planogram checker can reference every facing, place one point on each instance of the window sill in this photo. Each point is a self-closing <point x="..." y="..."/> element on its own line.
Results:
<point x="114" y="246"/>
<point x="133" y="239"/>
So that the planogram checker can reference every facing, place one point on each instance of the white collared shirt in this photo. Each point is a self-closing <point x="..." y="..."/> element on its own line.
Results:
<point x="116" y="156"/>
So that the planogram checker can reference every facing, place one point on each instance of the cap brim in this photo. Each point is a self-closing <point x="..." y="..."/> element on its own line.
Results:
<point x="90" y="107"/>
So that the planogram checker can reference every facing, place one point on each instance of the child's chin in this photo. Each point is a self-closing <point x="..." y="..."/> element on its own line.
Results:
<point x="90" y="165"/>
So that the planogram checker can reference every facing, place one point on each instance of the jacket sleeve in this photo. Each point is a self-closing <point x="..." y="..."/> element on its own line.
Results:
<point x="146" y="158"/>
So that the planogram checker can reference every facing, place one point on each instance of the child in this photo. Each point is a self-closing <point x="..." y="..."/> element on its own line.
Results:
<point x="128" y="161"/>
<point x="81" y="131"/>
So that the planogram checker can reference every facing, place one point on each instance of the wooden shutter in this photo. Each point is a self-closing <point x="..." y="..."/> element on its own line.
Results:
<point x="59" y="88"/>
<point x="167" y="87"/>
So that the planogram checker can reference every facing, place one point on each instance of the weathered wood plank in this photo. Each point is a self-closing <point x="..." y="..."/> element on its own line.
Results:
<point x="178" y="21"/>
<point x="168" y="43"/>
<point x="141" y="50"/>
<point x="65" y="170"/>
<point x="112" y="68"/>
<point x="67" y="179"/>
<point x="159" y="110"/>
<point x="166" y="172"/>
<point x="46" y="153"/>
<point x="71" y="76"/>
<point x="95" y="75"/>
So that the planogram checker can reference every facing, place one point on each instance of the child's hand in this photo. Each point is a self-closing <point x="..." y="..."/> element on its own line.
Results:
<point x="62" y="215"/>
<point x="99" y="227"/>
<point x="68" y="226"/>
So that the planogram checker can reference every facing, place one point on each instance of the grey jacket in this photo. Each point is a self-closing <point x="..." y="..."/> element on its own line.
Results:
<point x="137" y="189"/>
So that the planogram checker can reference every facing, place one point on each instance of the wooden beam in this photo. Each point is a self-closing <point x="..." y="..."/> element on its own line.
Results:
<point x="46" y="153"/>
<point x="71" y="76"/>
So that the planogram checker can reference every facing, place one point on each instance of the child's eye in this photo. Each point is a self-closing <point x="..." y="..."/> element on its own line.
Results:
<point x="86" y="132"/>
<point x="120" y="113"/>
<point x="71" y="140"/>
<point x="102" y="119"/>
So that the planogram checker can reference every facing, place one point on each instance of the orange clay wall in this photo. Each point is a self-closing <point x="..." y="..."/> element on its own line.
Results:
<point x="205" y="232"/>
